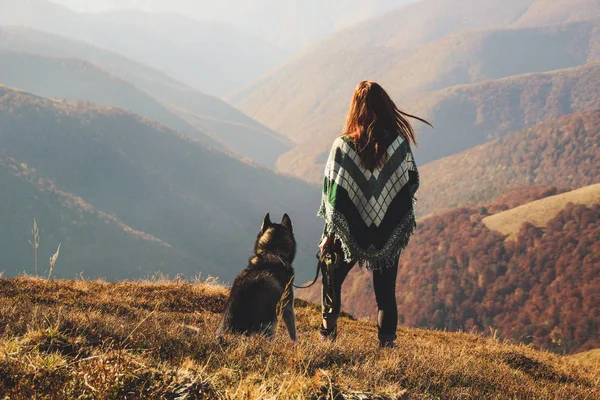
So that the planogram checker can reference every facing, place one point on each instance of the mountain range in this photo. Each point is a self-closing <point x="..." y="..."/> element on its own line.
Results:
<point x="472" y="42"/>
<point x="212" y="57"/>
<point x="291" y="24"/>
<point x="55" y="66"/>
<point x="114" y="173"/>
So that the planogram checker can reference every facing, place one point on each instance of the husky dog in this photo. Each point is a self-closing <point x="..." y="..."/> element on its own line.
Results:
<point x="263" y="284"/>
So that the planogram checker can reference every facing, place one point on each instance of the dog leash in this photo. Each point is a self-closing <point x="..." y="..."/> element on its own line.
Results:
<point x="328" y="258"/>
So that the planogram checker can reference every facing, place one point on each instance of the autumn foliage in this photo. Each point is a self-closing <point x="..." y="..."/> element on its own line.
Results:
<point x="563" y="152"/>
<point x="542" y="288"/>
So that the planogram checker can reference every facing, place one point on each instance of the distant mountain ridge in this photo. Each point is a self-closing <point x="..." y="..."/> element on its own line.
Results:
<point x="155" y="95"/>
<point x="470" y="42"/>
<point x="204" y="203"/>
<point x="545" y="12"/>
<point x="75" y="79"/>
<point x="214" y="58"/>
<point x="470" y="115"/>
<point x="291" y="24"/>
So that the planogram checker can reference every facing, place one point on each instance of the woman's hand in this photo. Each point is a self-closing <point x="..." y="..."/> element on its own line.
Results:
<point x="326" y="242"/>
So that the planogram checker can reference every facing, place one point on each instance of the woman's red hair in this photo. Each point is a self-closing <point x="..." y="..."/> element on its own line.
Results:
<point x="372" y="113"/>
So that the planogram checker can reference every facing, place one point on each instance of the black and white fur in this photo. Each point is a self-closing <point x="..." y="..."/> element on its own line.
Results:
<point x="267" y="280"/>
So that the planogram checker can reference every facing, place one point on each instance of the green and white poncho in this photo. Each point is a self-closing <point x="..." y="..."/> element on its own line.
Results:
<point x="370" y="212"/>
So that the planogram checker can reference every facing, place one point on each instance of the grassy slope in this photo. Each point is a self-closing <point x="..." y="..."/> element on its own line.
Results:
<point x="156" y="340"/>
<point x="591" y="358"/>
<point x="199" y="200"/>
<point x="539" y="212"/>
<point x="562" y="152"/>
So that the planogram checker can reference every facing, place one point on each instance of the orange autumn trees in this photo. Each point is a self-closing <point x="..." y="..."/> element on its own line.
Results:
<point x="542" y="288"/>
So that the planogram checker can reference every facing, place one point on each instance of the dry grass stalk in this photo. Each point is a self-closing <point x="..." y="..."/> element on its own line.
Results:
<point x="35" y="243"/>
<point x="53" y="260"/>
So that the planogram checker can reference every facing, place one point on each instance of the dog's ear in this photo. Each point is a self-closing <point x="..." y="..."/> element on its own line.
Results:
<point x="287" y="222"/>
<point x="266" y="223"/>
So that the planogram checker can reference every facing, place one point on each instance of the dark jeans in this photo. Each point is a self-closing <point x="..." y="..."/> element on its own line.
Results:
<point x="384" y="282"/>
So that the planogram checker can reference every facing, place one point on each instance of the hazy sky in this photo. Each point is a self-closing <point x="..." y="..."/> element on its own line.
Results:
<point x="288" y="23"/>
<point x="105" y="5"/>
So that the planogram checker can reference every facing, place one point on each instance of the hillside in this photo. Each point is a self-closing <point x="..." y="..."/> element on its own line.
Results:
<point x="211" y="57"/>
<point x="301" y="96"/>
<point x="545" y="12"/>
<point x="201" y="201"/>
<point x="411" y="26"/>
<point x="187" y="109"/>
<point x="591" y="358"/>
<point x="307" y="97"/>
<point x="74" y="80"/>
<point x="538" y="213"/>
<point x="409" y="54"/>
<point x="456" y="274"/>
<point x="234" y="57"/>
<point x="156" y="339"/>
<point x="470" y="115"/>
<point x="480" y="55"/>
<point x="561" y="152"/>
<point x="92" y="242"/>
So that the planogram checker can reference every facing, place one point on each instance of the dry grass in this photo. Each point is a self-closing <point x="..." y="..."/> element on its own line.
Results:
<point x="97" y="340"/>
<point x="590" y="358"/>
<point x="539" y="212"/>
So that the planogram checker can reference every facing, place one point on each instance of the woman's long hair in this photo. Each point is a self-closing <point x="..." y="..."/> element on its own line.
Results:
<point x="372" y="113"/>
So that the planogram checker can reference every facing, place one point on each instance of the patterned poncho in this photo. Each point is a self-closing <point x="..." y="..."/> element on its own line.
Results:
<point x="370" y="212"/>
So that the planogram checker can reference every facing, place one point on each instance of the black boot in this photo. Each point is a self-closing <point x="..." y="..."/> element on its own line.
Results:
<point x="328" y="334"/>
<point x="387" y="341"/>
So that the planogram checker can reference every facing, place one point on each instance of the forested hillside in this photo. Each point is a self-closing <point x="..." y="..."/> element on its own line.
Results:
<point x="470" y="115"/>
<point x="93" y="243"/>
<point x="201" y="201"/>
<point x="563" y="152"/>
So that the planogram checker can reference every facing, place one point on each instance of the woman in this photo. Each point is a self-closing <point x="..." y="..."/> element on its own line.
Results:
<point x="368" y="194"/>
